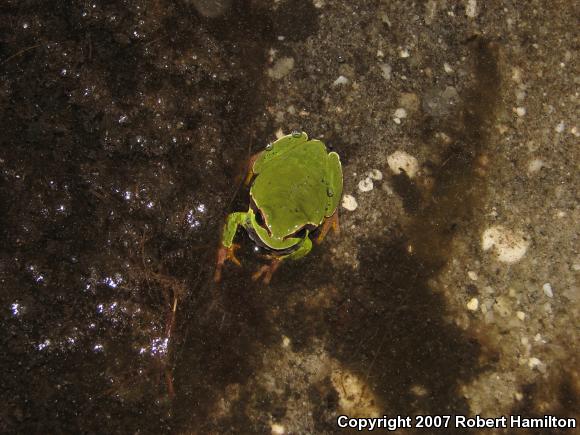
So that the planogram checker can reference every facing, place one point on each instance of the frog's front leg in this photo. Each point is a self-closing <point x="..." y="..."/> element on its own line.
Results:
<point x="250" y="170"/>
<point x="268" y="270"/>
<point x="228" y="247"/>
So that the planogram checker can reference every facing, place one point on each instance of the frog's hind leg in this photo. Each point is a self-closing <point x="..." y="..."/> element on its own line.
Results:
<point x="228" y="247"/>
<point x="331" y="222"/>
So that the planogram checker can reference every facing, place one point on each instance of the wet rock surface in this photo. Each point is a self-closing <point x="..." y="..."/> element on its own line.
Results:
<point x="125" y="130"/>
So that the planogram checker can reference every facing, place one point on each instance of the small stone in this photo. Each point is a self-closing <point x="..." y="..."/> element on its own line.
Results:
<point x="341" y="80"/>
<point x="447" y="68"/>
<point x="375" y="174"/>
<point x="521" y="315"/>
<point x="471" y="8"/>
<point x="519" y="396"/>
<point x="502" y="306"/>
<point x="516" y="74"/>
<point x="281" y="68"/>
<point x="472" y="275"/>
<point x="400" y="162"/>
<point x="277" y="429"/>
<point x="349" y="202"/>
<point x="473" y="304"/>
<point x="285" y="341"/>
<point x="535" y="363"/>
<point x="404" y="53"/>
<point x="509" y="246"/>
<point x="535" y="165"/>
<point x="385" y="70"/>
<point x="410" y="102"/>
<point x="547" y="287"/>
<point x="366" y="185"/>
<point x="400" y="113"/>
<point x="560" y="127"/>
<point x="521" y="111"/>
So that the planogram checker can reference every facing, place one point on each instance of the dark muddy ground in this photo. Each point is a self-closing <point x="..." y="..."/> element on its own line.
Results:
<point x="125" y="128"/>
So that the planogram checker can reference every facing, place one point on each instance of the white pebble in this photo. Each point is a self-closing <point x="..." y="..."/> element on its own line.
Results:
<point x="510" y="247"/>
<point x="400" y="113"/>
<point x="375" y="174"/>
<point x="535" y="165"/>
<point x="281" y="68"/>
<point x="349" y="202"/>
<point x="447" y="68"/>
<point x="471" y="8"/>
<point x="341" y="80"/>
<point x="404" y="53"/>
<point x="473" y="304"/>
<point x="534" y="362"/>
<point x="400" y="161"/>
<point x="277" y="429"/>
<point x="386" y="70"/>
<point x="366" y="185"/>
<point x="285" y="341"/>
<point x="472" y="275"/>
<point x="521" y="111"/>
<point x="521" y="315"/>
<point x="547" y="287"/>
<point x="560" y="127"/>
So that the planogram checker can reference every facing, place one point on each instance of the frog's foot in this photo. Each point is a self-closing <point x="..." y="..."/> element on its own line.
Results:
<point x="267" y="271"/>
<point x="331" y="222"/>
<point x="223" y="255"/>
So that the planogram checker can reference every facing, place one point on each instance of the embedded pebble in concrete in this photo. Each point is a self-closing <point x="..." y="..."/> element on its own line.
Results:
<point x="385" y="70"/>
<point x="471" y="8"/>
<point x="375" y="174"/>
<point x="400" y="161"/>
<point x="355" y="398"/>
<point x="535" y="165"/>
<point x="281" y="68"/>
<point x="399" y="114"/>
<point x="547" y="287"/>
<point x="277" y="429"/>
<point x="521" y="111"/>
<point x="349" y="202"/>
<point x="509" y="246"/>
<point x="521" y="315"/>
<point x="472" y="275"/>
<point x="473" y="304"/>
<point x="365" y="185"/>
<point x="341" y="80"/>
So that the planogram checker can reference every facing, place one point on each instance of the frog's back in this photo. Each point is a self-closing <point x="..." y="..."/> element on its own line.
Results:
<point x="291" y="188"/>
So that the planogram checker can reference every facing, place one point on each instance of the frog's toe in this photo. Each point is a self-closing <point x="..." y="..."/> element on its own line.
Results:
<point x="231" y="255"/>
<point x="223" y="255"/>
<point x="267" y="271"/>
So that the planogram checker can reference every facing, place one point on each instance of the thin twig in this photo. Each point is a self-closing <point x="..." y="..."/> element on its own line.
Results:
<point x="24" y="50"/>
